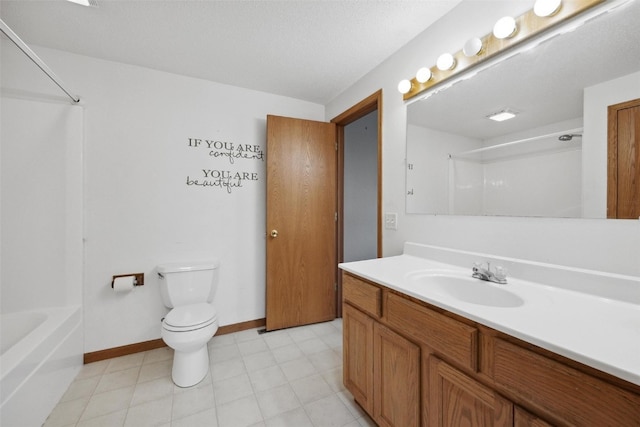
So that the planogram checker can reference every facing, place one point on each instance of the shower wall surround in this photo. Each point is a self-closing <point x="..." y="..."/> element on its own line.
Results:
<point x="174" y="170"/>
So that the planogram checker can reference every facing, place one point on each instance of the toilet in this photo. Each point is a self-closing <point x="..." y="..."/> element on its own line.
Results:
<point x="188" y="288"/>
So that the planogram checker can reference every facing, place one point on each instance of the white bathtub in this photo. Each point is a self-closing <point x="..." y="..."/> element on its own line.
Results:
<point x="41" y="355"/>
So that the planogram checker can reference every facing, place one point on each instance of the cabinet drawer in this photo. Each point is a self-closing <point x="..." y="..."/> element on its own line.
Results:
<point x="363" y="295"/>
<point x="452" y="339"/>
<point x="564" y="393"/>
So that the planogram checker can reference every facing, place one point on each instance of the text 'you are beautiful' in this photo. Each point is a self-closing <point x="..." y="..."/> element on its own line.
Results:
<point x="230" y="154"/>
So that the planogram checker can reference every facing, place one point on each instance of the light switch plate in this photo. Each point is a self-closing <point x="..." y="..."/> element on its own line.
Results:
<point x="391" y="221"/>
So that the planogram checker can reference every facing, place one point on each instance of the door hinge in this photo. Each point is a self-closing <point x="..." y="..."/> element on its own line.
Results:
<point x="336" y="146"/>
<point x="335" y="287"/>
<point x="336" y="216"/>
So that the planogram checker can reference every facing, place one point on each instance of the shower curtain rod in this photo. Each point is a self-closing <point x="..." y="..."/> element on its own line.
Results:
<point x="508" y="144"/>
<point x="36" y="60"/>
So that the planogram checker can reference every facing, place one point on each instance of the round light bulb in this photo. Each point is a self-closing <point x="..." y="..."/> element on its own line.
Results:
<point x="505" y="27"/>
<point x="472" y="47"/>
<point x="545" y="8"/>
<point x="446" y="61"/>
<point x="423" y="75"/>
<point x="404" y="86"/>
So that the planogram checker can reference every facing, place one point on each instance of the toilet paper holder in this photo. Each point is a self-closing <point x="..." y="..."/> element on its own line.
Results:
<point x="138" y="281"/>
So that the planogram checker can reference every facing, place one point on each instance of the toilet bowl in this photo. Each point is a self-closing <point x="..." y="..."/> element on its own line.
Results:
<point x="189" y="289"/>
<point x="187" y="330"/>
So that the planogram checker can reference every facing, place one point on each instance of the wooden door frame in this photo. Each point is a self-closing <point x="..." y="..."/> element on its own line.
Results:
<point x="612" y="154"/>
<point x="361" y="109"/>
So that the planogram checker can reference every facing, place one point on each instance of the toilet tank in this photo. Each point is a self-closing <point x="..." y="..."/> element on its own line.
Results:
<point x="184" y="283"/>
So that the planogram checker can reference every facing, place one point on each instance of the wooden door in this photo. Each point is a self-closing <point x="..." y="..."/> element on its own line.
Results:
<point x="357" y="352"/>
<point x="623" y="171"/>
<point x="458" y="400"/>
<point x="396" y="367"/>
<point x="301" y="222"/>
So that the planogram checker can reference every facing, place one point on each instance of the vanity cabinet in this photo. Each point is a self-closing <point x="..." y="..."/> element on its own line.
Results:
<point x="408" y="363"/>
<point x="381" y="368"/>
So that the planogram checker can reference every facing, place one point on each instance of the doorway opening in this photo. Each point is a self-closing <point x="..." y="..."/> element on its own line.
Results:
<point x="359" y="184"/>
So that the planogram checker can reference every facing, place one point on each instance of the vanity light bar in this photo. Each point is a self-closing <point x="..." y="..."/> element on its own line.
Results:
<point x="544" y="15"/>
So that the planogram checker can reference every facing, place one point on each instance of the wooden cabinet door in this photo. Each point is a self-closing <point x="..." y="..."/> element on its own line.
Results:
<point x="458" y="400"/>
<point x="396" y="363"/>
<point x="357" y="351"/>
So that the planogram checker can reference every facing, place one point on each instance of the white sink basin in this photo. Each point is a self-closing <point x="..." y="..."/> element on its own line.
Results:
<point x="466" y="288"/>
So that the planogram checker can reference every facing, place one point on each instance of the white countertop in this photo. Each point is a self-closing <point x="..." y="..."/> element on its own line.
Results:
<point x="600" y="332"/>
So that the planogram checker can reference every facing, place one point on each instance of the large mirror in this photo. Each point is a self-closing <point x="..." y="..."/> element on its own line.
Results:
<point x="550" y="160"/>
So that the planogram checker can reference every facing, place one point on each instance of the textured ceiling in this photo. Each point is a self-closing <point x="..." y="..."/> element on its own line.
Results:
<point x="310" y="50"/>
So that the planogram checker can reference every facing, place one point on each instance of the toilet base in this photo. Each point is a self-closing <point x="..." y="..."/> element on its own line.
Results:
<point x="190" y="368"/>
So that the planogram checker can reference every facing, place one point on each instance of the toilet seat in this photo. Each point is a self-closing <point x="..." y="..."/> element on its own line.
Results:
<point x="190" y="317"/>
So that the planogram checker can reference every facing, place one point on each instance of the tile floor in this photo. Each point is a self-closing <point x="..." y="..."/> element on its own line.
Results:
<point x="291" y="377"/>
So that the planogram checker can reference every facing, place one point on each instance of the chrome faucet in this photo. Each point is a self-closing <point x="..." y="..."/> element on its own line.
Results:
<point x="482" y="273"/>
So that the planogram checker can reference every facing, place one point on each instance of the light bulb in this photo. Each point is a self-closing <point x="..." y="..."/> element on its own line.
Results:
<point x="505" y="27"/>
<point x="446" y="61"/>
<point x="545" y="8"/>
<point x="472" y="47"/>
<point x="404" y="86"/>
<point x="423" y="75"/>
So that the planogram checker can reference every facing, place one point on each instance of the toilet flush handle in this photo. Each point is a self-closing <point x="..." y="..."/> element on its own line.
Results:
<point x="274" y="233"/>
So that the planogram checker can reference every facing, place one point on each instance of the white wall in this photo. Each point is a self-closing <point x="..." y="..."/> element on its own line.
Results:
<point x="596" y="100"/>
<point x="608" y="245"/>
<point x="361" y="188"/>
<point x="434" y="182"/>
<point x="139" y="210"/>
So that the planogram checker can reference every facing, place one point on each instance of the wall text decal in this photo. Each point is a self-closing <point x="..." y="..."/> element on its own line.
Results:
<point x="224" y="179"/>
<point x="229" y="150"/>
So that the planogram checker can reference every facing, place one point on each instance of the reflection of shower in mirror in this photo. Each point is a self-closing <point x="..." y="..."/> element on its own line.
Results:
<point x="569" y="137"/>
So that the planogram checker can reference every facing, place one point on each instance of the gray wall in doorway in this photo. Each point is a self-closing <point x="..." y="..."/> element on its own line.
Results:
<point x="361" y="188"/>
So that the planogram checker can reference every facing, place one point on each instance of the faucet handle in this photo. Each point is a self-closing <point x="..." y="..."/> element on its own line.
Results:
<point x="501" y="273"/>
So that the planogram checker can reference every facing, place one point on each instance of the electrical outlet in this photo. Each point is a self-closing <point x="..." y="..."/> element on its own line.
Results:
<point x="391" y="221"/>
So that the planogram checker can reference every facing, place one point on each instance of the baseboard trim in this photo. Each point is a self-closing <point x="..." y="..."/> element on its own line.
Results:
<point x="242" y="326"/>
<point x="124" y="350"/>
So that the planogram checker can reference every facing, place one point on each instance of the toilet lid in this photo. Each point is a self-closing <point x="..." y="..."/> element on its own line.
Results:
<point x="192" y="316"/>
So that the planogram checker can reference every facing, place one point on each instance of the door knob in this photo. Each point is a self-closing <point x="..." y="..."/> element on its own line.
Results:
<point x="274" y="233"/>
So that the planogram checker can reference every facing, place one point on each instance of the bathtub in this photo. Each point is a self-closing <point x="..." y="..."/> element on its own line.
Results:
<point x="41" y="353"/>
